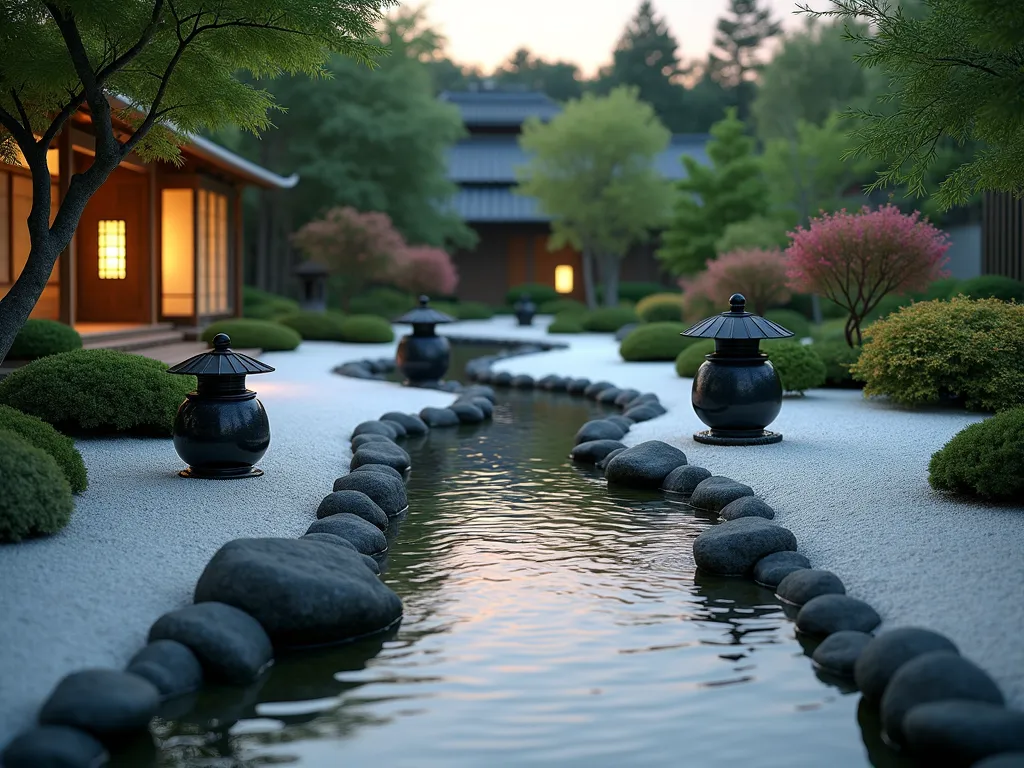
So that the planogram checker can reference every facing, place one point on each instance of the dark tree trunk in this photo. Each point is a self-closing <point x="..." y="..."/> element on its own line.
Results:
<point x="610" y="277"/>
<point x="589" y="287"/>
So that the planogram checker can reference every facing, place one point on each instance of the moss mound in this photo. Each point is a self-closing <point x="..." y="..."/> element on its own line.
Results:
<point x="98" y="392"/>
<point x="608" y="319"/>
<point x="314" y="326"/>
<point x="38" y="433"/>
<point x="984" y="460"/>
<point x="366" y="329"/>
<point x="660" y="308"/>
<point x="798" y="366"/>
<point x="838" y="357"/>
<point x="655" y="341"/>
<point x="36" y="499"/>
<point x="991" y="287"/>
<point x="558" y="306"/>
<point x="567" y="322"/>
<point x="388" y="303"/>
<point x="541" y="294"/>
<point x="790" y="320"/>
<point x="473" y="310"/>
<point x="262" y="305"/>
<point x="830" y="330"/>
<point x="692" y="358"/>
<point x="255" y="334"/>
<point x="39" y="338"/>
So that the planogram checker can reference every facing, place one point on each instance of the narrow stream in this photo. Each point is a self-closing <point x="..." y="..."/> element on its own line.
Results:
<point x="548" y="622"/>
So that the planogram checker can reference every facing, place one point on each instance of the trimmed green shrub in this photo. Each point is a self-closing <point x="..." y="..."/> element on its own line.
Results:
<point x="655" y="341"/>
<point x="946" y="288"/>
<point x="558" y="306"/>
<point x="540" y="294"/>
<point x="790" y="320"/>
<point x="692" y="358"/>
<point x="36" y="498"/>
<point x="366" y="329"/>
<point x="985" y="459"/>
<point x="632" y="292"/>
<point x="314" y="326"/>
<point x="39" y="338"/>
<point x="798" y="366"/>
<point x="838" y="356"/>
<point x="962" y="351"/>
<point x="42" y="435"/>
<point x="567" y="322"/>
<point x="803" y="303"/>
<point x="388" y="303"/>
<point x="246" y="333"/>
<point x="608" y="319"/>
<point x="830" y="330"/>
<point x="98" y="391"/>
<point x="262" y="305"/>
<point x="473" y="310"/>
<point x="993" y="287"/>
<point x="661" y="308"/>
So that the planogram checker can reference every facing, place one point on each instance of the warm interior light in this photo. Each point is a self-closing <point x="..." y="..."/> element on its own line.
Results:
<point x="113" y="261"/>
<point x="178" y="253"/>
<point x="563" y="278"/>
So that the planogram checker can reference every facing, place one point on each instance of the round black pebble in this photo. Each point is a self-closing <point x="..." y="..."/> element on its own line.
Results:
<point x="382" y="468"/>
<point x="54" y="746"/>
<point x="360" y="440"/>
<point x="890" y="651"/>
<point x="168" y="665"/>
<point x="104" y="702"/>
<point x="388" y="493"/>
<point x="771" y="570"/>
<point x="385" y="428"/>
<point x="805" y="584"/>
<point x="684" y="479"/>
<point x="468" y="413"/>
<point x="747" y="506"/>
<point x="353" y="502"/>
<point x="413" y="424"/>
<point x="838" y="652"/>
<point x="827" y="614"/>
<point x="960" y="733"/>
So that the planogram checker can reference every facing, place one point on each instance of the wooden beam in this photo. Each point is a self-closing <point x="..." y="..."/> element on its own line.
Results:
<point x="154" y="247"/>
<point x="238" y="276"/>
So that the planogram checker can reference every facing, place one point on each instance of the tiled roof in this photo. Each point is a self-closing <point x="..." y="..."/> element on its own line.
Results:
<point x="501" y="108"/>
<point x="482" y="205"/>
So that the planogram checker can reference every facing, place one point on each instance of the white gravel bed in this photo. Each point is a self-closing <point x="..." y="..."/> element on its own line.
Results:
<point x="140" y="535"/>
<point x="850" y="480"/>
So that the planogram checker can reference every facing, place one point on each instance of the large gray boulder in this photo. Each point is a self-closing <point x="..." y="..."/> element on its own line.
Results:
<point x="771" y="570"/>
<point x="934" y="676"/>
<point x="230" y="644"/>
<point x="838" y="653"/>
<point x="594" y="451"/>
<point x="170" y="666"/>
<point x="960" y="733"/>
<point x="353" y="502"/>
<point x="54" y="746"/>
<point x="747" y="506"/>
<point x="684" y="479"/>
<point x="412" y="423"/>
<point x="599" y="429"/>
<point x="388" y="493"/>
<point x="891" y="650"/>
<point x="716" y="492"/>
<point x="827" y="614"/>
<point x="805" y="584"/>
<point x="440" y="417"/>
<point x="302" y="592"/>
<point x="110" y="705"/>
<point x="389" y="455"/>
<point x="734" y="547"/>
<point x="366" y="537"/>
<point x="645" y="465"/>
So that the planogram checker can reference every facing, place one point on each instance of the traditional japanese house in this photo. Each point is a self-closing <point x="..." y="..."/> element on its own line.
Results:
<point x="1002" y="235"/>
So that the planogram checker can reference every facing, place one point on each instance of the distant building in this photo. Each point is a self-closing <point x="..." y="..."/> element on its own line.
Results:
<point x="1002" y="235"/>
<point x="513" y="233"/>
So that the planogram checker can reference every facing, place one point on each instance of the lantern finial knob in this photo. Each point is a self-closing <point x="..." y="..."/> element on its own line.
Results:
<point x="221" y="342"/>
<point x="424" y="300"/>
<point x="738" y="303"/>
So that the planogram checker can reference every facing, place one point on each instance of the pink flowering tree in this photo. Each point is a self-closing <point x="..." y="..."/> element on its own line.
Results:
<point x="424" y="269"/>
<point x="855" y="259"/>
<point x="358" y="248"/>
<point x="759" y="274"/>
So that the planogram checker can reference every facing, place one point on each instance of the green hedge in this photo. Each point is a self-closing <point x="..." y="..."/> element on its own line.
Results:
<point x="388" y="303"/>
<point x="790" y="320"/>
<point x="473" y="310"/>
<point x="985" y="459"/>
<point x="246" y="333"/>
<point x="314" y="326"/>
<point x="98" y="391"/>
<point x="42" y="435"/>
<point x="633" y="292"/>
<point x="661" y="308"/>
<point x="804" y="305"/>
<point x="261" y="305"/>
<point x="655" y="341"/>
<point x="39" y="338"/>
<point x="838" y="356"/>
<point x="567" y="322"/>
<point x="541" y="294"/>
<point x="946" y="288"/>
<point x="692" y="358"/>
<point x="558" y="306"/>
<point x="36" y="498"/>
<point x="992" y="287"/>
<point x="608" y="319"/>
<point x="798" y="366"/>
<point x="366" y="329"/>
<point x="830" y="330"/>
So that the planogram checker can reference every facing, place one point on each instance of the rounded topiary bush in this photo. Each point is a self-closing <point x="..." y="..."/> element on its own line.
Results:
<point x="473" y="310"/>
<point x="692" y="358"/>
<point x="558" y="306"/>
<point x="366" y="329"/>
<point x="992" y="287"/>
<point x="798" y="366"/>
<point x="838" y="356"/>
<point x="314" y="326"/>
<point x="36" y="498"/>
<point x="262" y="305"/>
<point x="608" y="319"/>
<point x="655" y="341"/>
<point x="985" y="459"/>
<point x="98" y="391"/>
<point x="790" y="320"/>
<point x="39" y="338"/>
<point x="388" y="303"/>
<point x="61" y="448"/>
<point x="661" y="308"/>
<point x="255" y="334"/>
<point x="830" y="330"/>
<point x="567" y="322"/>
<point x="962" y="351"/>
<point x="541" y="294"/>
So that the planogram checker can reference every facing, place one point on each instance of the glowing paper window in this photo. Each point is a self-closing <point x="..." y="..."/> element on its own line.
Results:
<point x="563" y="278"/>
<point x="178" y="252"/>
<point x="113" y="259"/>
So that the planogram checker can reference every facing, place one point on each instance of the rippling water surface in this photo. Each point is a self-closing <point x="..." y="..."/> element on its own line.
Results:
<point x="548" y="622"/>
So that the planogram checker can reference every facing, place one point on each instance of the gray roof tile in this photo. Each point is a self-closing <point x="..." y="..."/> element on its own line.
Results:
<point x="501" y="108"/>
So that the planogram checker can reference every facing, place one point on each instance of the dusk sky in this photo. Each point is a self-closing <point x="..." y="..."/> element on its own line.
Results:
<point x="486" y="32"/>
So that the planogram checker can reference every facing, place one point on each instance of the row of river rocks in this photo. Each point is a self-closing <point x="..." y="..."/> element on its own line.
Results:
<point x="254" y="597"/>
<point x="933" y="702"/>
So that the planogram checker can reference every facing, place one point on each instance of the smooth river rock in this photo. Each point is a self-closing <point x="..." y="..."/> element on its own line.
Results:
<point x="891" y="650"/>
<point x="522" y="381"/>
<point x="621" y="421"/>
<point x="716" y="492"/>
<point x="170" y="666"/>
<point x="805" y="584"/>
<point x="468" y="413"/>
<point x="337" y="541"/>
<point x="747" y="506"/>
<point x="771" y="570"/>
<point x="302" y="592"/>
<point x="594" y="451"/>
<point x="626" y="396"/>
<point x="366" y="439"/>
<point x="54" y="746"/>
<point x="734" y="547"/>
<point x="388" y="493"/>
<point x="607" y="396"/>
<point x="412" y="423"/>
<point x="354" y="502"/>
<point x="826" y="614"/>
<point x="644" y="412"/>
<point x="106" y="703"/>
<point x="577" y="386"/>
<point x="593" y="390"/>
<point x="603" y="463"/>
<point x="390" y="455"/>
<point x="838" y="652"/>
<point x="366" y="537"/>
<point x="645" y="465"/>
<point x="684" y="479"/>
<point x="385" y="428"/>
<point x="439" y="417"/>
<point x="500" y="379"/>
<point x="599" y="429"/>
<point x="486" y="406"/>
<point x="480" y="390"/>
<point x="383" y="468"/>
<point x="959" y="733"/>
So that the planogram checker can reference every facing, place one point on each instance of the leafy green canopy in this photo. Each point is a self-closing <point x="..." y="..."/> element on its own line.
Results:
<point x="955" y="72"/>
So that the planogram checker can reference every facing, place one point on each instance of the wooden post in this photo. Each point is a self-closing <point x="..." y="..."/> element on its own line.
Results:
<point x="239" y="243"/>
<point x="155" y="263"/>
<point x="66" y="269"/>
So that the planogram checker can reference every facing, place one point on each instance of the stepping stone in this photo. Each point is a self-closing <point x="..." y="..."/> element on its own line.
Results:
<point x="108" y="704"/>
<point x="607" y="396"/>
<point x="827" y="614"/>
<point x="626" y="396"/>
<point x="522" y="381"/>
<point x="577" y="386"/>
<point x="805" y="584"/>
<point x="891" y="650"/>
<point x="54" y="746"/>
<point x="747" y="506"/>
<point x="366" y="537"/>
<point x="684" y="479"/>
<point x="593" y="390"/>
<point x="960" y="733"/>
<point x="478" y="390"/>
<point x="440" y="417"/>
<point x="603" y="463"/>
<point x="838" y="652"/>
<point x="388" y="493"/>
<point x="621" y="421"/>
<point x="385" y="428"/>
<point x="360" y="440"/>
<point x="413" y="424"/>
<point x="170" y="666"/>
<point x="771" y="570"/>
<point x="382" y="468"/>
<point x="353" y="502"/>
<point x="381" y="453"/>
<point x="644" y="412"/>
<point x="644" y="399"/>
<point x="468" y="413"/>
<point x="599" y="429"/>
<point x="715" y="492"/>
<point x="594" y="451"/>
<point x="499" y="379"/>
<point x="733" y="548"/>
<point x="645" y="465"/>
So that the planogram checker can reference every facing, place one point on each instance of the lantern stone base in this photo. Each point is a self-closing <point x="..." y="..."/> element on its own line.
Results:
<point x="227" y="473"/>
<point x="751" y="437"/>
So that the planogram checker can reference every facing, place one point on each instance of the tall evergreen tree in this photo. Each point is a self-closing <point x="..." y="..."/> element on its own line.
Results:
<point x="561" y="80"/>
<point x="739" y="36"/>
<point x="730" y="190"/>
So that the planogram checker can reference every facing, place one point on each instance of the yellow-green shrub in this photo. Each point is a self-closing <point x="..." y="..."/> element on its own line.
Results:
<point x="661" y="307"/>
<point x="567" y="322"/>
<point x="799" y="368"/>
<point x="608" y="319"/>
<point x="655" y="341"/>
<point x="246" y="333"/>
<point x="692" y="358"/>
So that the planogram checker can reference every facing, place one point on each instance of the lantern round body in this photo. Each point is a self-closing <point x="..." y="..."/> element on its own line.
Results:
<point x="423" y="357"/>
<point x="221" y="436"/>
<point x="525" y="310"/>
<point x="737" y="397"/>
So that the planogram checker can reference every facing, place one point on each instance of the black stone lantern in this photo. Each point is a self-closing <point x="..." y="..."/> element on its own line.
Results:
<point x="423" y="356"/>
<point x="313" y="276"/>
<point x="525" y="309"/>
<point x="736" y="391"/>
<point x="221" y="430"/>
